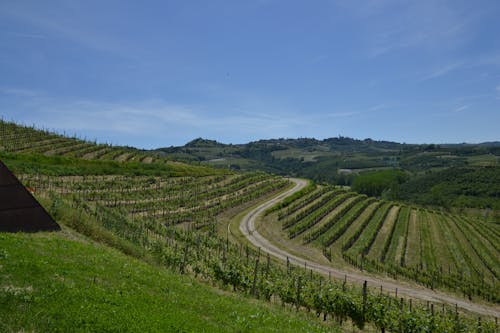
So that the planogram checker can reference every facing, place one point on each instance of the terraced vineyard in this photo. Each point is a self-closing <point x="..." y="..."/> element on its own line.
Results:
<point x="28" y="140"/>
<point x="172" y="219"/>
<point x="437" y="249"/>
<point x="147" y="201"/>
<point x="167" y="212"/>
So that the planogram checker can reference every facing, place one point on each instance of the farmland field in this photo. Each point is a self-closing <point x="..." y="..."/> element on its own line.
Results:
<point x="167" y="214"/>
<point x="434" y="248"/>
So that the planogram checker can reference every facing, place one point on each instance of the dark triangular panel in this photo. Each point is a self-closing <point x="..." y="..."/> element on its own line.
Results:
<point x="19" y="210"/>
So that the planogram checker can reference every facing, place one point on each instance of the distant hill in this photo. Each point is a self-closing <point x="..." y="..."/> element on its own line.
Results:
<point x="340" y="160"/>
<point x="331" y="159"/>
<point x="200" y="143"/>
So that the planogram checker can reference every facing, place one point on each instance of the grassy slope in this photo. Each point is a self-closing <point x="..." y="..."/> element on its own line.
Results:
<point x="58" y="165"/>
<point x="59" y="282"/>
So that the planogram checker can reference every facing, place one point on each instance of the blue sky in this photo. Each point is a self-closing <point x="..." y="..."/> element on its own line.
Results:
<point x="160" y="73"/>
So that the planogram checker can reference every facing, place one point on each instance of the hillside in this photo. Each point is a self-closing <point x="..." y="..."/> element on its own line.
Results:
<point x="341" y="160"/>
<point x="16" y="138"/>
<point x="176" y="215"/>
<point x="340" y="155"/>
<point x="62" y="282"/>
<point x="336" y="160"/>
<point x="434" y="248"/>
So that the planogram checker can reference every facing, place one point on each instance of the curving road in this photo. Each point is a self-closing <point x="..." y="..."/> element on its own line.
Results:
<point x="247" y="227"/>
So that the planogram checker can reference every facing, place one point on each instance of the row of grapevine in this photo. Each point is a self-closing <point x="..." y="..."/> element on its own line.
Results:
<point x="304" y="201"/>
<point x="430" y="247"/>
<point x="312" y="219"/>
<point x="24" y="139"/>
<point x="209" y="257"/>
<point x="323" y="200"/>
<point x="169" y="200"/>
<point x="332" y="228"/>
<point x="361" y="242"/>
<point x="311" y="187"/>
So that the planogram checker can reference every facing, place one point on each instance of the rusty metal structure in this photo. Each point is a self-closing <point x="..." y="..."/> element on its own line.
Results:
<point x="19" y="210"/>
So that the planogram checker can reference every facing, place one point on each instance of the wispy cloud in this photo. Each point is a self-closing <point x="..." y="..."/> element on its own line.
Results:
<point x="443" y="70"/>
<point x="378" y="107"/>
<point x="461" y="108"/>
<point x="20" y="92"/>
<point x="340" y="114"/>
<point x="26" y="35"/>
<point x="392" y="25"/>
<point x="154" y="122"/>
<point x="349" y="114"/>
<point x="60" y="26"/>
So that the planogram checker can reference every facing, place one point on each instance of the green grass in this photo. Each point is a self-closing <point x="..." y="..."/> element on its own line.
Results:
<point x="60" y="282"/>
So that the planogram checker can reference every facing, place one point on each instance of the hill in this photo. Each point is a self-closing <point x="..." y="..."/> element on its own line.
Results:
<point x="341" y="160"/>
<point x="335" y="160"/>
<point x="15" y="138"/>
<point x="336" y="156"/>
<point x="171" y="214"/>
<point x="436" y="249"/>
<point x="62" y="282"/>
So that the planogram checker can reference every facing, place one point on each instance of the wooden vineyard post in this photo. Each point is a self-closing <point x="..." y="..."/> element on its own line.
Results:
<point x="255" y="276"/>
<point x="224" y="254"/>
<point x="184" y="260"/>
<point x="298" y="292"/>
<point x="365" y="295"/>
<point x="432" y="317"/>
<point x="268" y="264"/>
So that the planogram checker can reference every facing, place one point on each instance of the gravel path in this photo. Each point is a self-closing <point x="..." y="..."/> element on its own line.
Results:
<point x="247" y="227"/>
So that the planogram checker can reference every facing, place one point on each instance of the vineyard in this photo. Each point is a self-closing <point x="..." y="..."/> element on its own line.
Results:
<point x="29" y="140"/>
<point x="168" y="213"/>
<point x="434" y="248"/>
<point x="204" y="254"/>
<point x="174" y="220"/>
<point x="156" y="201"/>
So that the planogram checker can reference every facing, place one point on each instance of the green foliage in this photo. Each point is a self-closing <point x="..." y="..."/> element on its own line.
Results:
<point x="86" y="224"/>
<point x="477" y="187"/>
<point x="378" y="182"/>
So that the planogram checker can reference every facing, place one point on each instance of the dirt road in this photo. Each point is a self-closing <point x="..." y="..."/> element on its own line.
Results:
<point x="247" y="227"/>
